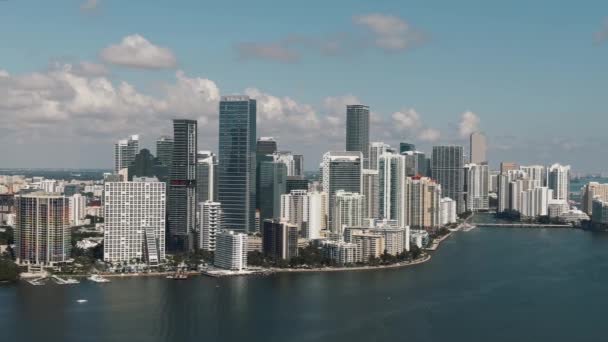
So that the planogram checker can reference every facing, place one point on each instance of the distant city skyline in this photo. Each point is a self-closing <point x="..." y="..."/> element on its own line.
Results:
<point x="444" y="73"/>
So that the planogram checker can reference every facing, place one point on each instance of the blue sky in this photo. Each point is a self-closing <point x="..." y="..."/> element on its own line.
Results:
<point x="533" y="73"/>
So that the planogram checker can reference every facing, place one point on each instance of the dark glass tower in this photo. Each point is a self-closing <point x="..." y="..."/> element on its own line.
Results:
<point x="237" y="162"/>
<point x="357" y="130"/>
<point x="182" y="186"/>
<point x="273" y="184"/>
<point x="164" y="150"/>
<point x="448" y="170"/>
<point x="265" y="147"/>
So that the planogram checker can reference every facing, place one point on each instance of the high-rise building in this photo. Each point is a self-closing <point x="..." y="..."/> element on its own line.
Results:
<point x="371" y="192"/>
<point x="164" y="150"/>
<point x="231" y="250"/>
<point x="298" y="160"/>
<point x="134" y="216"/>
<point x="376" y="149"/>
<point x="357" y="130"/>
<point x="286" y="157"/>
<point x="348" y="211"/>
<point x="406" y="147"/>
<point x="237" y="162"/>
<point x="341" y="171"/>
<point x="280" y="239"/>
<point x="265" y="148"/>
<point x="535" y="202"/>
<point x="124" y="152"/>
<point x="536" y="173"/>
<point x="182" y="186"/>
<point x="448" y="170"/>
<point x="296" y="183"/>
<point x="210" y="223"/>
<point x="391" y="180"/>
<point x="145" y="165"/>
<point x="478" y="148"/>
<point x="307" y="210"/>
<point x="505" y="167"/>
<point x="78" y="204"/>
<point x="206" y="177"/>
<point x="476" y="179"/>
<point x="42" y="229"/>
<point x="273" y="184"/>
<point x="421" y="204"/>
<point x="592" y="191"/>
<point x="558" y="179"/>
<point x="448" y="211"/>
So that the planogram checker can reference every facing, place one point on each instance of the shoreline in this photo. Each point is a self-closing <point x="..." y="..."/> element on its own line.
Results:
<point x="357" y="268"/>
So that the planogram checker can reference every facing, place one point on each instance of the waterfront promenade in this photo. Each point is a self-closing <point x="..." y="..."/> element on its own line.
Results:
<point x="525" y="225"/>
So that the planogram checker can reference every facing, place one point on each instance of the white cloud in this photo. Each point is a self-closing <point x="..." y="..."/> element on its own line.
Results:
<point x="271" y="51"/>
<point x="407" y="119"/>
<point x="89" y="5"/>
<point x="390" y="32"/>
<point x="137" y="52"/>
<point x="429" y="135"/>
<point x="469" y="123"/>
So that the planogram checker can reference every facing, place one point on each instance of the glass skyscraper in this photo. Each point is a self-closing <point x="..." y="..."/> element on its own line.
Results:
<point x="357" y="130"/>
<point x="448" y="170"/>
<point x="341" y="171"/>
<point x="182" y="186"/>
<point x="164" y="150"/>
<point x="237" y="162"/>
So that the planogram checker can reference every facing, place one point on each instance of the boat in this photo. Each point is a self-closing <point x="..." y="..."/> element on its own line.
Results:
<point x="70" y="281"/>
<point x="98" y="279"/>
<point x="178" y="276"/>
<point x="81" y="301"/>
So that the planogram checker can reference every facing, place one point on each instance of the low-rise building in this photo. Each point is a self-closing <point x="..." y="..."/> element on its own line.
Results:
<point x="342" y="253"/>
<point x="231" y="250"/>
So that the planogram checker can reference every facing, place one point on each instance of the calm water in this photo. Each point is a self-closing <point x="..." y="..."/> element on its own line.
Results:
<point x="485" y="285"/>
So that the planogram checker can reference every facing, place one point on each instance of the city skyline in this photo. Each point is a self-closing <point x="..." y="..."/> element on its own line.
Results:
<point x="111" y="78"/>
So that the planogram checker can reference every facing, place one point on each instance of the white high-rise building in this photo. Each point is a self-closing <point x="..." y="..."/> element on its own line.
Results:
<point x="341" y="171"/>
<point x="134" y="214"/>
<point x="231" y="250"/>
<point x="558" y="179"/>
<point x="476" y="178"/>
<point x="210" y="223"/>
<point x="286" y="158"/>
<point x="78" y="205"/>
<point x="348" y="211"/>
<point x="371" y="192"/>
<point x="422" y="203"/>
<point x="536" y="173"/>
<point x="305" y="209"/>
<point x="48" y="185"/>
<point x="591" y="191"/>
<point x="448" y="211"/>
<point x="124" y="152"/>
<point x="534" y="202"/>
<point x="391" y="178"/>
<point x="376" y="149"/>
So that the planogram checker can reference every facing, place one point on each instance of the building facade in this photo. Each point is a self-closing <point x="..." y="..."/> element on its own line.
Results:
<point x="357" y="130"/>
<point x="448" y="170"/>
<point x="210" y="223"/>
<point x="477" y="190"/>
<point x="280" y="239"/>
<point x="341" y="171"/>
<point x="231" y="250"/>
<point x="478" y="148"/>
<point x="124" y="152"/>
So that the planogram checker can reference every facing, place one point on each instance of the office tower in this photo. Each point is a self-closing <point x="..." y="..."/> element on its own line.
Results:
<point x="478" y="148"/>
<point x="305" y="209"/>
<point x="182" y="186"/>
<point x="406" y="147"/>
<point x="146" y="165"/>
<point x="78" y="204"/>
<point x="341" y="171"/>
<point x="296" y="183"/>
<point x="210" y="223"/>
<point x="231" y="250"/>
<point x="534" y="202"/>
<point x="265" y="148"/>
<point x="448" y="170"/>
<point x="391" y="180"/>
<point x="273" y="184"/>
<point x="421" y="164"/>
<point x="164" y="150"/>
<point x="285" y="157"/>
<point x="536" y="173"/>
<point x="124" y="152"/>
<point x="134" y="214"/>
<point x="357" y="130"/>
<point x="42" y="230"/>
<point x="422" y="203"/>
<point x="280" y="239"/>
<point x="206" y="177"/>
<point x="558" y="179"/>
<point x="448" y="211"/>
<point x="237" y="162"/>
<point x="376" y="149"/>
<point x="370" y="190"/>
<point x="476" y="179"/>
<point x="348" y="211"/>
<point x="505" y="167"/>
<point x="298" y="160"/>
<point x="591" y="191"/>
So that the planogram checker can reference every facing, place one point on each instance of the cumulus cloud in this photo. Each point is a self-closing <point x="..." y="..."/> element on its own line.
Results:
<point x="601" y="36"/>
<point x="137" y="52"/>
<point x="407" y="119"/>
<point x="469" y="123"/>
<point x="429" y="135"/>
<point x="390" y="32"/>
<point x="90" y="5"/>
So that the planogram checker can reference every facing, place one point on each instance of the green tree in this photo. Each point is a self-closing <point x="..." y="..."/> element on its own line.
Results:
<point x="9" y="271"/>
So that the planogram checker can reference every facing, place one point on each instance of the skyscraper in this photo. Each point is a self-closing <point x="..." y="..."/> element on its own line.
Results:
<point x="406" y="147"/>
<point x="42" y="229"/>
<point x="448" y="170"/>
<point x="391" y="179"/>
<point x="371" y="192"/>
<point x="348" y="211"/>
<point x="478" y="148"/>
<point x="376" y="149"/>
<point x="145" y="165"/>
<point x="341" y="171"/>
<point x="505" y="167"/>
<point x="210" y="224"/>
<point x="206" y="177"/>
<point x="164" y="150"/>
<point x="298" y="160"/>
<point x="280" y="239"/>
<point x="134" y="214"/>
<point x="265" y="148"/>
<point x="558" y="179"/>
<point x="273" y="184"/>
<point x="422" y="203"/>
<point x="476" y="178"/>
<point x="590" y="191"/>
<point x="124" y="152"/>
<point x="237" y="162"/>
<point x="357" y="130"/>
<point x="182" y="188"/>
<point x="305" y="209"/>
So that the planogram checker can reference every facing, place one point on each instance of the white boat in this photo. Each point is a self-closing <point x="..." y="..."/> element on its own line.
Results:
<point x="71" y="281"/>
<point x="98" y="279"/>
